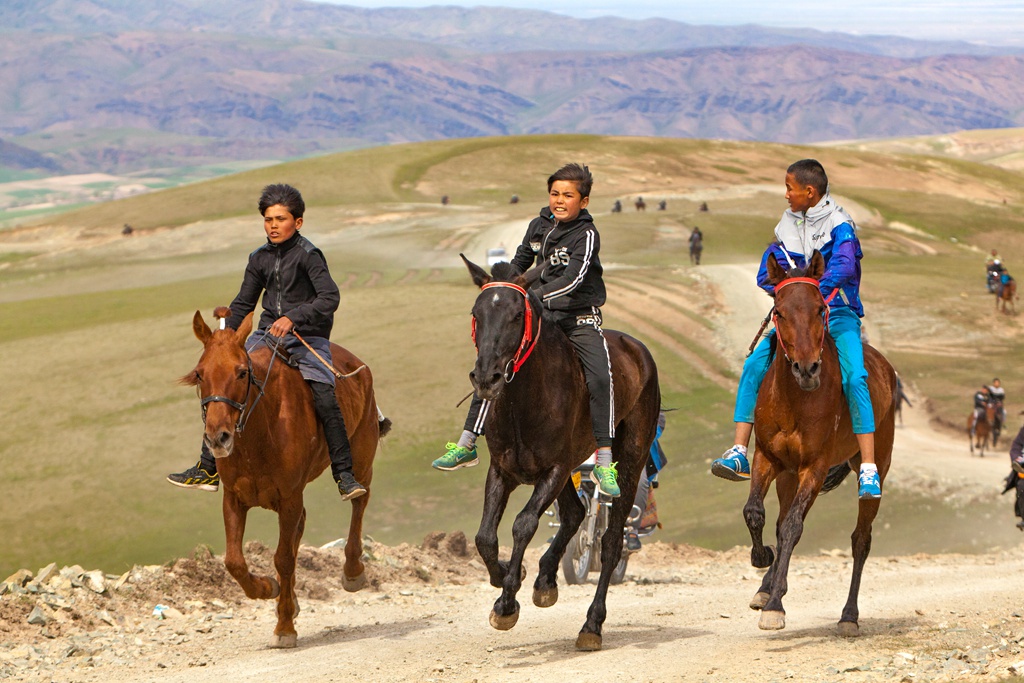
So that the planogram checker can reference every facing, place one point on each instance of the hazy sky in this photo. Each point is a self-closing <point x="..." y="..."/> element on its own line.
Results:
<point x="992" y="22"/>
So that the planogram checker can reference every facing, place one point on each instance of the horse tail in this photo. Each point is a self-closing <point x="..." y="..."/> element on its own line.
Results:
<point x="835" y="476"/>
<point x="383" y="423"/>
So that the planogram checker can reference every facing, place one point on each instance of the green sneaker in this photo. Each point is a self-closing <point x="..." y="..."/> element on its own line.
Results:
<point x="456" y="457"/>
<point x="607" y="479"/>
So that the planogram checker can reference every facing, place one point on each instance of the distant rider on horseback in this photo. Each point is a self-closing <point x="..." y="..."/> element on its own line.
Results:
<point x="982" y="399"/>
<point x="814" y="222"/>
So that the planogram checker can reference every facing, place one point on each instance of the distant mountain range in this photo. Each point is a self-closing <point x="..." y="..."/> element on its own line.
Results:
<point x="120" y="85"/>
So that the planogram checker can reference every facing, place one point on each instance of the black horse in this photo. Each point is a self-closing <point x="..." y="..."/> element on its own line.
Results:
<point x="538" y="429"/>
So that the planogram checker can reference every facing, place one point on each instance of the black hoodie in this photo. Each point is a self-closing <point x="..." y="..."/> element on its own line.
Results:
<point x="571" y="280"/>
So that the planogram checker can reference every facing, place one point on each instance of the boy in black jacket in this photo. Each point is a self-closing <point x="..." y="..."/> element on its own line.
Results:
<point x="298" y="293"/>
<point x="564" y="240"/>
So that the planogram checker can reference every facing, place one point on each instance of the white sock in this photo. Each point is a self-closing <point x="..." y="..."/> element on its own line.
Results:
<point x="604" y="456"/>
<point x="468" y="440"/>
<point x="868" y="467"/>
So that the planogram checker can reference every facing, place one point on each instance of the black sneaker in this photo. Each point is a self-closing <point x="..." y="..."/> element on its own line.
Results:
<point x="196" y="477"/>
<point x="632" y="541"/>
<point x="348" y="487"/>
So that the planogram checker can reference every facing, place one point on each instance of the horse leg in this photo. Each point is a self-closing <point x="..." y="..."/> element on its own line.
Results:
<point x="761" y="475"/>
<point x="291" y="522"/>
<point x="773" y="616"/>
<point x="496" y="493"/>
<point x="589" y="638"/>
<point x="861" y="543"/>
<point x="353" y="576"/>
<point x="570" y="515"/>
<point x="255" y="587"/>
<point x="785" y="486"/>
<point x="505" y="613"/>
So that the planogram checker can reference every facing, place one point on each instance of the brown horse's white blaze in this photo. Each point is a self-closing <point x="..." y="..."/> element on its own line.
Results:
<point x="268" y="460"/>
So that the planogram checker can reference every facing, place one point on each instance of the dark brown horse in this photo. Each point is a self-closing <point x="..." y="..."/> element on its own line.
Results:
<point x="978" y="432"/>
<point x="261" y="426"/>
<point x="640" y="204"/>
<point x="805" y="436"/>
<point x="1007" y="297"/>
<point x="539" y="429"/>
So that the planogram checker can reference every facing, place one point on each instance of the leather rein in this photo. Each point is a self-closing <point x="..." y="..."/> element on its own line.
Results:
<point x="817" y="286"/>
<point x="529" y="340"/>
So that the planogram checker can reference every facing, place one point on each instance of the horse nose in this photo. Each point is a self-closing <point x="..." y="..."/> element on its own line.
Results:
<point x="485" y="382"/>
<point x="806" y="370"/>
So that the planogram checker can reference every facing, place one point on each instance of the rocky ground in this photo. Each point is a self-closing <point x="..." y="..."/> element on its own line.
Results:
<point x="681" y="615"/>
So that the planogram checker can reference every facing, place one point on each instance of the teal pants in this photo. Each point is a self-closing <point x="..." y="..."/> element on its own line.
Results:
<point x="844" y="328"/>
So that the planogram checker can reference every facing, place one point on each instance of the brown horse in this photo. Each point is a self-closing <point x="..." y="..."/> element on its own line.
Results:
<point x="978" y="432"/>
<point x="805" y="440"/>
<point x="640" y="204"/>
<point x="1007" y="298"/>
<point x="260" y="424"/>
<point x="538" y="429"/>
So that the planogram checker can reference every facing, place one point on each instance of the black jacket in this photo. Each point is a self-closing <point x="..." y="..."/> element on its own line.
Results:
<point x="296" y="283"/>
<point x="571" y="280"/>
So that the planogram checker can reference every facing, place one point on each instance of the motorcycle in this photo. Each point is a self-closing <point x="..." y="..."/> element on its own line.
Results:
<point x="583" y="554"/>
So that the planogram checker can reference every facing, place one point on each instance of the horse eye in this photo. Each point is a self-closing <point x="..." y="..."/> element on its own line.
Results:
<point x="199" y="378"/>
<point x="519" y="315"/>
<point x="243" y="373"/>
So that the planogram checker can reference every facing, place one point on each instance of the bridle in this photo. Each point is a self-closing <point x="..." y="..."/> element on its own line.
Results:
<point x="529" y="340"/>
<point x="817" y="286"/>
<point x="243" y="413"/>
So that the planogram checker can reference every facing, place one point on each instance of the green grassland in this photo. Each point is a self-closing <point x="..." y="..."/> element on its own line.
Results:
<point x="95" y="333"/>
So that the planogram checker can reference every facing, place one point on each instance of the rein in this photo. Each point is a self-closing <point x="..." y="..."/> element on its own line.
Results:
<point x="826" y="301"/>
<point x="529" y="341"/>
<point x="243" y="414"/>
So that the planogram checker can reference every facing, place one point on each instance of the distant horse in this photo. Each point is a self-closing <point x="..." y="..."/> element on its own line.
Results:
<point x="1007" y="298"/>
<point x="538" y="430"/>
<point x="978" y="431"/>
<point x="696" y="246"/>
<point x="804" y="437"/>
<point x="260" y="425"/>
<point x="640" y="204"/>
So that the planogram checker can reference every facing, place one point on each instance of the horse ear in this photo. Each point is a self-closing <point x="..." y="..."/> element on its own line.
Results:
<point x="200" y="328"/>
<point x="479" y="275"/>
<point x="775" y="272"/>
<point x="242" y="333"/>
<point x="817" y="266"/>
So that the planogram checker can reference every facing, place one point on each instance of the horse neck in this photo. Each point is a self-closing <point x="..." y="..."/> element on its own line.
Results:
<point x="552" y="363"/>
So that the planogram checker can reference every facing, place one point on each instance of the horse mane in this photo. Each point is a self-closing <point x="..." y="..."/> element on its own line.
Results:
<point x="503" y="271"/>
<point x="189" y="380"/>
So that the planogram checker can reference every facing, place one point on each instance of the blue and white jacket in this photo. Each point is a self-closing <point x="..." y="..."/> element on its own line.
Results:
<point x="827" y="228"/>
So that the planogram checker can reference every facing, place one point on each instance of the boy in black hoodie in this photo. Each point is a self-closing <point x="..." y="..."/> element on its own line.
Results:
<point x="564" y="240"/>
<point x="298" y="293"/>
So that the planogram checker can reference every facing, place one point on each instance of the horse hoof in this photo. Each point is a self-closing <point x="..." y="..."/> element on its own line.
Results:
<point x="763" y="559"/>
<point x="545" y="598"/>
<point x="504" y="623"/>
<point x="353" y="585"/>
<point x="275" y="588"/>
<point x="772" y="621"/>
<point x="285" y="641"/>
<point x="760" y="600"/>
<point x="588" y="642"/>
<point x="849" y="629"/>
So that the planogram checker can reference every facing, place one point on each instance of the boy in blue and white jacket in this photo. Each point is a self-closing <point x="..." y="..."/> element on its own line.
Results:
<point x="814" y="222"/>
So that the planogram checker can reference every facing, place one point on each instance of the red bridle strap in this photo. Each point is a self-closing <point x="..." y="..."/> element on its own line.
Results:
<point x="826" y="301"/>
<point x="529" y="341"/>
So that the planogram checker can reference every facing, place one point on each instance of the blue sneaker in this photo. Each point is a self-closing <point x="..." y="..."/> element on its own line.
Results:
<point x="870" y="485"/>
<point x="732" y="465"/>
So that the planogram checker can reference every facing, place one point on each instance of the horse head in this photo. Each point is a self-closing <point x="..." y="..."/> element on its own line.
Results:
<point x="506" y="324"/>
<point x="223" y="378"/>
<point x="800" y="316"/>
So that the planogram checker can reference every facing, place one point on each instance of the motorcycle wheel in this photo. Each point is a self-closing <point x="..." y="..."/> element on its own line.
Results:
<point x="576" y="560"/>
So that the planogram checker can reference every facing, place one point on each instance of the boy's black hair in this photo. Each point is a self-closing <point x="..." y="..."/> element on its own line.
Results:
<point x="810" y="172"/>
<point x="576" y="173"/>
<point x="286" y="195"/>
